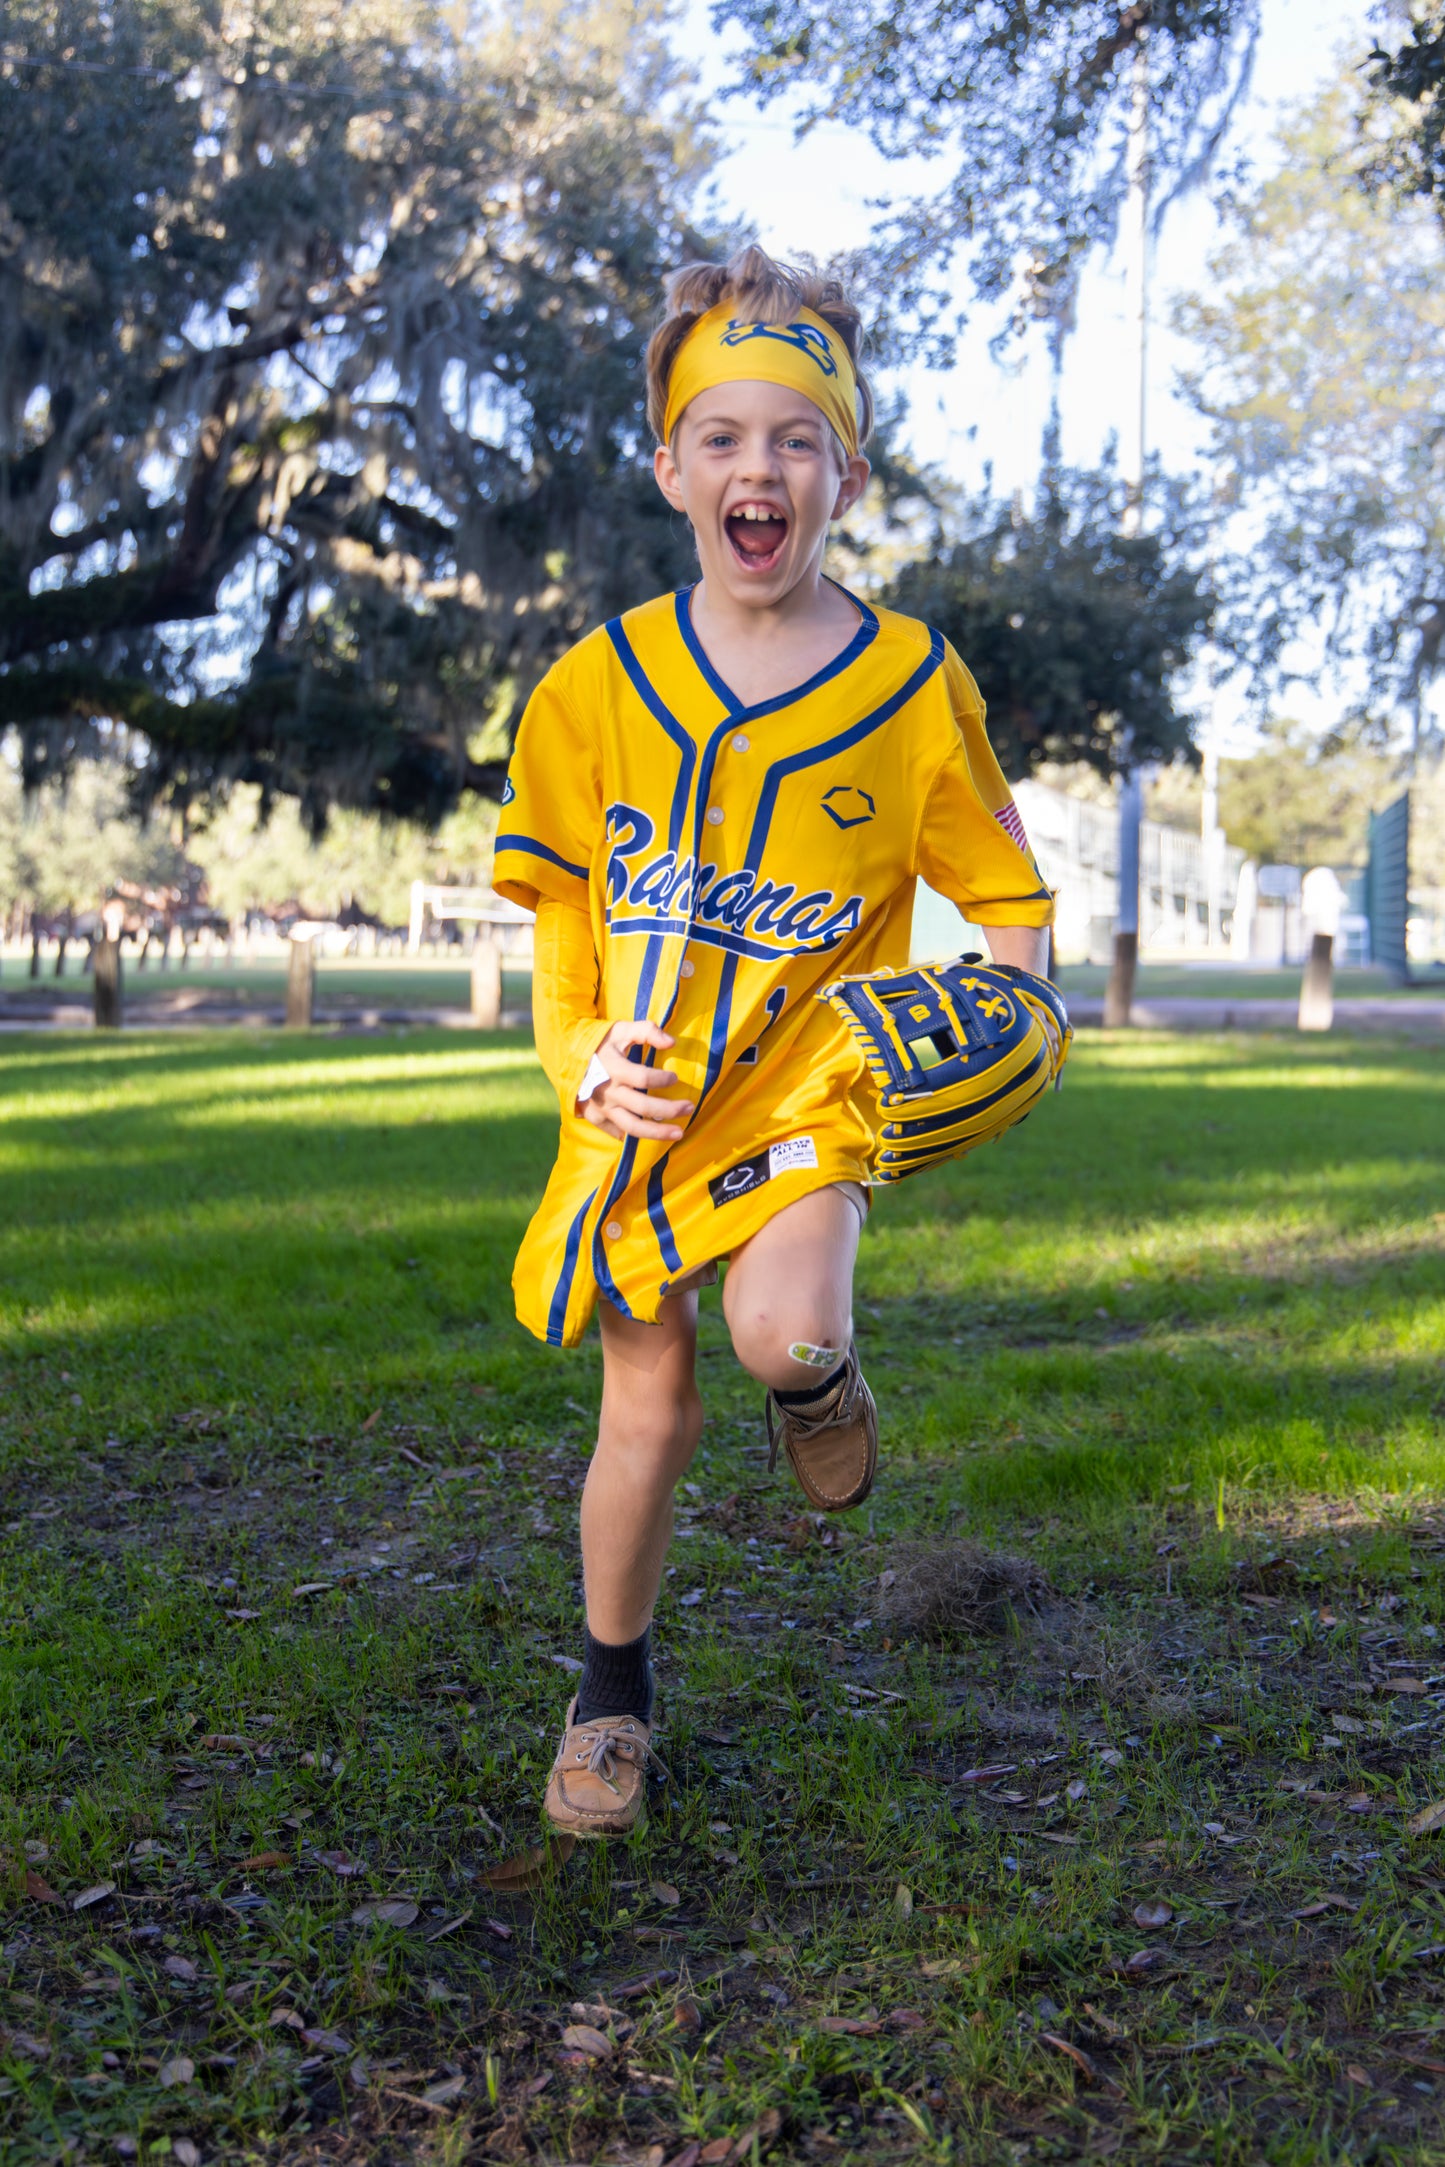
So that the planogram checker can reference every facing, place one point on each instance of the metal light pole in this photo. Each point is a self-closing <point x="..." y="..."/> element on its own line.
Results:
<point x="1119" y="994"/>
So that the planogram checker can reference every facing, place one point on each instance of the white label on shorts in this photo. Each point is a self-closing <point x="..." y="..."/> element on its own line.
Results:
<point x="797" y="1151"/>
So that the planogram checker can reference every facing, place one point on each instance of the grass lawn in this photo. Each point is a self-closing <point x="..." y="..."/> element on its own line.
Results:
<point x="1102" y="1852"/>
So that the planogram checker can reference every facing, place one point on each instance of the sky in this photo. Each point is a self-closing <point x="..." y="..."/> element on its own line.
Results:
<point x="986" y="413"/>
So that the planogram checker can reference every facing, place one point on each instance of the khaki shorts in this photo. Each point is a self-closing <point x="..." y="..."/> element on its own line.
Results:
<point x="706" y="1275"/>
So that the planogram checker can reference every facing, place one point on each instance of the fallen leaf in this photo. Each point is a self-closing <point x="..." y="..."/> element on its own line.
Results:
<point x="340" y="1863"/>
<point x="181" y="1967"/>
<point x="1400" y="1685"/>
<point x="1357" y="2075"/>
<point x="1151" y="1915"/>
<point x="449" y="1926"/>
<point x="38" y="1889"/>
<point x="1428" y="1819"/>
<point x="686" y="2016"/>
<point x="186" y="2152"/>
<point x="712" y="2155"/>
<point x="322" y="2041"/>
<point x="907" y="2020"/>
<point x="986" y="1774"/>
<point x="528" y="1869"/>
<point x="1141" y="1963"/>
<point x="688" y="2156"/>
<point x="178" y="2070"/>
<point x="312" y="1587"/>
<point x="288" y="2017"/>
<point x="1077" y="1789"/>
<point x="27" y="2043"/>
<point x="863" y="2027"/>
<point x="1422" y="2061"/>
<point x="1350" y="1726"/>
<point x="444" y="2091"/>
<point x="88" y="1897"/>
<point x="243" y="1617"/>
<point x="945" y="1967"/>
<point x="1087" y="2067"/>
<point x="386" y="1911"/>
<point x="1106" y="2023"/>
<point x="586" y="2039"/>
<point x="903" y="1900"/>
<point x="663" y="1892"/>
<point x="1329" y="1902"/>
<point x="264" y="1862"/>
<point x="371" y="1421"/>
<point x="224" y="1742"/>
<point x="36" y="1851"/>
<point x="1111" y="1757"/>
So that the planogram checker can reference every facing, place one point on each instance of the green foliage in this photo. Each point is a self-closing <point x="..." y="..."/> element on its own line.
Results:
<point x="65" y="847"/>
<point x="1075" y="630"/>
<point x="1408" y="83"/>
<point x="1025" y="105"/>
<point x="1306" y="800"/>
<point x="320" y="414"/>
<point x="1323" y="340"/>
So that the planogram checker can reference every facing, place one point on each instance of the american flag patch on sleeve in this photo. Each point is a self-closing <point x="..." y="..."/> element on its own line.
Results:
<point x="1008" y="819"/>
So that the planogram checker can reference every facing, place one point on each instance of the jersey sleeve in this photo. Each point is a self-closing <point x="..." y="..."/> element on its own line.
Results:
<point x="551" y="803"/>
<point x="565" y="975"/>
<point x="971" y="843"/>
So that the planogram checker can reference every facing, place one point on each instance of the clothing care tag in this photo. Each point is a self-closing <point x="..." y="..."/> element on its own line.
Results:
<point x="750" y="1174"/>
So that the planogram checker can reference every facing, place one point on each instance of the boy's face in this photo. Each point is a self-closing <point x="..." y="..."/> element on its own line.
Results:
<point x="754" y="467"/>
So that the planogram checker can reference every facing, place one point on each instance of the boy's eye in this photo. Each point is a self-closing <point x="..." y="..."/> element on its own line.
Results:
<point x="799" y="443"/>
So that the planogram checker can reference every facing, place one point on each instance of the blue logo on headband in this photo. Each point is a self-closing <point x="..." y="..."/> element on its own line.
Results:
<point x="803" y="336"/>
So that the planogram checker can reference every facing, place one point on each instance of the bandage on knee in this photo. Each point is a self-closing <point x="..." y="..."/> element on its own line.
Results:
<point x="803" y="1350"/>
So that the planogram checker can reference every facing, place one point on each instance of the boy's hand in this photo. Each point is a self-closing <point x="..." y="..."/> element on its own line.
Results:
<point x="627" y="1104"/>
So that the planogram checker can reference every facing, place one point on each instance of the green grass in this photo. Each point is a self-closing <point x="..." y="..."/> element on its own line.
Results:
<point x="1179" y="1343"/>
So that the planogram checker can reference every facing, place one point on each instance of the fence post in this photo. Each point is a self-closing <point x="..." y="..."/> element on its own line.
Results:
<point x="1119" y="992"/>
<point x="486" y="980"/>
<point x="1316" y="990"/>
<point x="107" y="984"/>
<point x="300" y="984"/>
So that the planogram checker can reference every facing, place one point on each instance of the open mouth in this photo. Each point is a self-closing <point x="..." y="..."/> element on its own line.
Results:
<point x="757" y="533"/>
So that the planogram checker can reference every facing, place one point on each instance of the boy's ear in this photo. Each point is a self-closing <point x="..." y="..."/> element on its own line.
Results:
<point x="853" y="484"/>
<point x="664" y="468"/>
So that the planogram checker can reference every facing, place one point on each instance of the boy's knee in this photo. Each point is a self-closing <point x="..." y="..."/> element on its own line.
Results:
<point x="789" y="1347"/>
<point x="661" y="1430"/>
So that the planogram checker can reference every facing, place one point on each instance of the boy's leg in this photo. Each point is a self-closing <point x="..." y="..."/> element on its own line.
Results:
<point x="789" y="1305"/>
<point x="649" y="1429"/>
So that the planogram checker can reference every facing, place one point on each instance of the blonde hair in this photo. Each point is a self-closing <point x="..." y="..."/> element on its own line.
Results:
<point x="764" y="292"/>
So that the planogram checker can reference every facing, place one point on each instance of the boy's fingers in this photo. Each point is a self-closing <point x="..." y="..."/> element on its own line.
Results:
<point x="640" y="1078"/>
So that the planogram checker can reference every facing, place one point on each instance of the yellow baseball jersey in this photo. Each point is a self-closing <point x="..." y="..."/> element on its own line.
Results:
<point x="733" y="861"/>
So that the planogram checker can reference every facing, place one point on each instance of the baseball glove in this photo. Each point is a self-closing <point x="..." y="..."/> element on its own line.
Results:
<point x="957" y="1053"/>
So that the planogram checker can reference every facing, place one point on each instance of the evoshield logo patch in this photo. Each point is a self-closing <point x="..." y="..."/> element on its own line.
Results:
<point x="750" y="1174"/>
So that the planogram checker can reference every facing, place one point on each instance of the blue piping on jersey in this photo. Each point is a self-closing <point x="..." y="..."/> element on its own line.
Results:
<point x="762" y="820"/>
<point x="562" y="1293"/>
<point x="660" y="712"/>
<point x="864" y="637"/>
<point x="533" y="849"/>
<point x="657" y="1213"/>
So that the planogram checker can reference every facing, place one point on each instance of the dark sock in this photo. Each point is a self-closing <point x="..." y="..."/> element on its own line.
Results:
<point x="615" y="1681"/>
<point x="801" y="1401"/>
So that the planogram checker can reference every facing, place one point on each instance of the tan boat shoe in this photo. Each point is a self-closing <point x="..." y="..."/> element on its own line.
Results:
<point x="598" y="1784"/>
<point x="833" y="1448"/>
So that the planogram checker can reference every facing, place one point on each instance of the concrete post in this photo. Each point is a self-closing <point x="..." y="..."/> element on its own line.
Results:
<point x="486" y="980"/>
<point x="300" y="984"/>
<point x="107" y="984"/>
<point x="1317" y="991"/>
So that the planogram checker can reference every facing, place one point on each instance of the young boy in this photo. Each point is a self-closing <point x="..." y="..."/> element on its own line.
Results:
<point x="718" y="804"/>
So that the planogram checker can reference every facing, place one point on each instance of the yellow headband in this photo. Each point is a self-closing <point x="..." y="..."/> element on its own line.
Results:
<point x="806" y="355"/>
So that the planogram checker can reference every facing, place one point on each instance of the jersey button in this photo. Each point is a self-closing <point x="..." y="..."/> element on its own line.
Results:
<point x="614" y="1230"/>
<point x="741" y="743"/>
<point x="687" y="969"/>
<point x="714" y="816"/>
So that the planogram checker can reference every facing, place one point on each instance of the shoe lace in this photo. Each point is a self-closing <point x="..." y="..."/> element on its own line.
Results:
<point x="837" y="1408"/>
<point x="606" y="1734"/>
